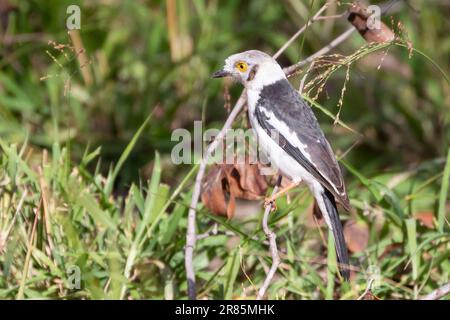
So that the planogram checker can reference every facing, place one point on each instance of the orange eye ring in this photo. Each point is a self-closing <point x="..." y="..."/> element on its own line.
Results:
<point x="241" y="66"/>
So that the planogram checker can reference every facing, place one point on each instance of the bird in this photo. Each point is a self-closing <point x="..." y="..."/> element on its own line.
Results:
<point x="289" y="135"/>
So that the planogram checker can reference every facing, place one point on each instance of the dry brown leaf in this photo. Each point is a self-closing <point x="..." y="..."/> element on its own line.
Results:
<point x="426" y="218"/>
<point x="226" y="182"/>
<point x="356" y="234"/>
<point x="358" y="16"/>
<point x="213" y="195"/>
<point x="251" y="184"/>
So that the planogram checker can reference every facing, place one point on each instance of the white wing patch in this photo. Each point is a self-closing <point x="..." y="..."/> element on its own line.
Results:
<point x="286" y="132"/>
<point x="292" y="137"/>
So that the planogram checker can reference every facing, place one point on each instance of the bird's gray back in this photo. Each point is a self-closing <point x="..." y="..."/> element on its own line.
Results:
<point x="281" y="99"/>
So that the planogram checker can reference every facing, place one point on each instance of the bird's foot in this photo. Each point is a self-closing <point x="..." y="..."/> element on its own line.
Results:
<point x="270" y="202"/>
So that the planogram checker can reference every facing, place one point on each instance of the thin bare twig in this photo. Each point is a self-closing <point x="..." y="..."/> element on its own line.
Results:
<point x="438" y="293"/>
<point x="333" y="44"/>
<point x="212" y="232"/>
<point x="335" y="16"/>
<point x="82" y="57"/>
<point x="368" y="289"/>
<point x="300" y="31"/>
<point x="191" y="232"/>
<point x="271" y="236"/>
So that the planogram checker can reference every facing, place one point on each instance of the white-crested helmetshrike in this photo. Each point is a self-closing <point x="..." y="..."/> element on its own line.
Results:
<point x="290" y="136"/>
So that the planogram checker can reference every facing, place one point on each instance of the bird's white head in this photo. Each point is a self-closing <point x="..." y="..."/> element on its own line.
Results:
<point x="254" y="69"/>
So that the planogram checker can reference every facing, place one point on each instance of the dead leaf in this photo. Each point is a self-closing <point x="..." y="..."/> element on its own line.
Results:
<point x="426" y="218"/>
<point x="213" y="194"/>
<point x="356" y="234"/>
<point x="227" y="182"/>
<point x="358" y="17"/>
<point x="245" y="181"/>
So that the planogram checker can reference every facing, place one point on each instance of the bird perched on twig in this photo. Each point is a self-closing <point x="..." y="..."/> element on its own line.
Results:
<point x="290" y="136"/>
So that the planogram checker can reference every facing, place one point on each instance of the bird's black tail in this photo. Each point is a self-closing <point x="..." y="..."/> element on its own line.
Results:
<point x="336" y="226"/>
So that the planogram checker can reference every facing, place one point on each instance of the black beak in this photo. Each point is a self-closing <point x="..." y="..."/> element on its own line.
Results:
<point x="220" y="74"/>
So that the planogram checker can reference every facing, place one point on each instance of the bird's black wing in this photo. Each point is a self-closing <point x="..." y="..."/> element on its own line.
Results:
<point x="281" y="109"/>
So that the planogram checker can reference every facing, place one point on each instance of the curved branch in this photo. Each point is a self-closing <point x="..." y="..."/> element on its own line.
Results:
<point x="438" y="293"/>
<point x="271" y="236"/>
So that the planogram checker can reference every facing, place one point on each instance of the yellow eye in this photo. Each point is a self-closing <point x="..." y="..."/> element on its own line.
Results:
<point x="241" y="66"/>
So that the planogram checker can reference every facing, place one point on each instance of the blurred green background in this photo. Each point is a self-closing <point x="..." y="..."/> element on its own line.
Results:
<point x="96" y="206"/>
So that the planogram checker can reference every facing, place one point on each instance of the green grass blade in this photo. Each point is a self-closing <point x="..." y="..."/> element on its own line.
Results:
<point x="365" y="181"/>
<point x="151" y="199"/>
<point x="172" y="197"/>
<point x="88" y="202"/>
<point x="232" y="269"/>
<point x="412" y="246"/>
<point x="172" y="223"/>
<point x="125" y="154"/>
<point x="14" y="157"/>
<point x="443" y="194"/>
<point x="148" y="206"/>
<point x="160" y="202"/>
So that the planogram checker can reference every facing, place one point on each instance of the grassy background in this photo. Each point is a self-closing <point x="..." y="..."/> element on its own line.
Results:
<point x="86" y="183"/>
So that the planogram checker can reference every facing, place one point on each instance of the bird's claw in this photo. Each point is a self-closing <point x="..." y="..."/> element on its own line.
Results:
<point x="269" y="202"/>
